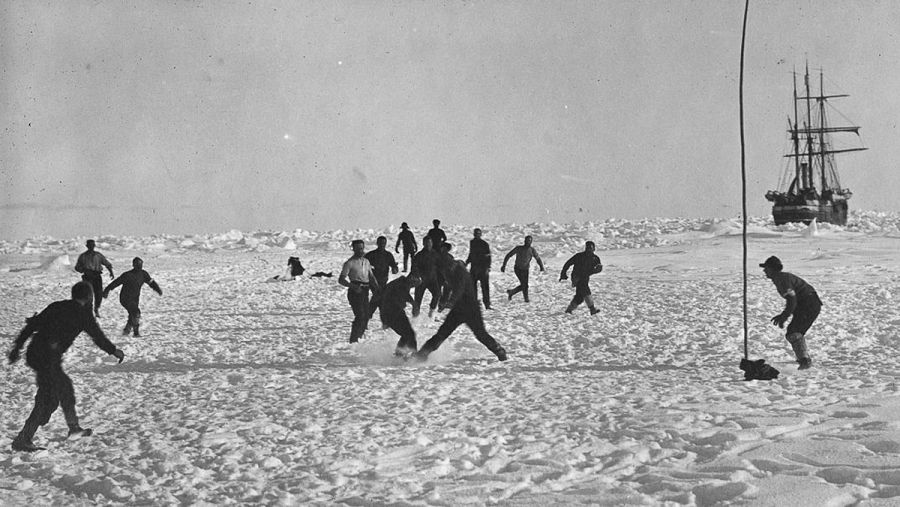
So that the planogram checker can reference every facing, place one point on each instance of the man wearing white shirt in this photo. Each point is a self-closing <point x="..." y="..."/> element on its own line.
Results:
<point x="358" y="277"/>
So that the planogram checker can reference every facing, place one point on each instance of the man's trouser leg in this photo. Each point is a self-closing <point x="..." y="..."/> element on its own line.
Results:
<point x="418" y="295"/>
<point x="400" y="324"/>
<point x="54" y="389"/>
<point x="453" y="320"/>
<point x="522" y="275"/>
<point x="475" y="321"/>
<point x="482" y="275"/>
<point x="359" y="303"/>
<point x="96" y="281"/>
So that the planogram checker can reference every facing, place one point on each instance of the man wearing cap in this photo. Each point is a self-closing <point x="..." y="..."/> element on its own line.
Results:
<point x="130" y="296"/>
<point x="437" y="235"/>
<point x="90" y="264"/>
<point x="408" y="241"/>
<point x="54" y="330"/>
<point x="802" y="302"/>
<point x="358" y="277"/>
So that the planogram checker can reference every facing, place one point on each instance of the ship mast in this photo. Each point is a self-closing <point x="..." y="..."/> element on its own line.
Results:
<point x="822" y="127"/>
<point x="795" y="135"/>
<point x="807" y="173"/>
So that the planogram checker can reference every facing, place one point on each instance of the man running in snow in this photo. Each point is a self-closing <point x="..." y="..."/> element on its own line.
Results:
<point x="394" y="298"/>
<point x="480" y="260"/>
<point x="357" y="276"/>
<point x="410" y="247"/>
<point x="464" y="309"/>
<point x="524" y="253"/>
<point x="584" y="264"/>
<point x="54" y="330"/>
<point x="90" y="264"/>
<point x="424" y="266"/>
<point x="801" y="301"/>
<point x="130" y="296"/>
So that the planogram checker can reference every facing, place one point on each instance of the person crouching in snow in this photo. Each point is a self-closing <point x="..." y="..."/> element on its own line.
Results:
<point x="394" y="298"/>
<point x="130" y="296"/>
<point x="464" y="309"/>
<point x="584" y="264"/>
<point x="54" y="330"/>
<point x="802" y="302"/>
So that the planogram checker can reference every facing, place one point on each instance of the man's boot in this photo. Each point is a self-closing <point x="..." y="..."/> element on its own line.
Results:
<point x="78" y="432"/>
<point x="798" y="343"/>
<point x="23" y="443"/>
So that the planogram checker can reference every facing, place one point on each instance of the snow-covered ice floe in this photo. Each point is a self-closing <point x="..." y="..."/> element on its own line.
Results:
<point x="242" y="391"/>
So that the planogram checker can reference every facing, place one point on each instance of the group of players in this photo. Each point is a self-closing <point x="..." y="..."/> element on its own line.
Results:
<point x="452" y="286"/>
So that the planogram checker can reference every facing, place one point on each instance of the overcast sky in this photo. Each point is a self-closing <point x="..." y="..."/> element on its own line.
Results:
<point x="204" y="116"/>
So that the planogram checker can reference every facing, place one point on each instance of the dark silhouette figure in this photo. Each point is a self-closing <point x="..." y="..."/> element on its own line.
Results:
<point x="130" y="296"/>
<point x="408" y="240"/>
<point x="464" y="309"/>
<point x="480" y="261"/>
<point x="584" y="264"/>
<point x="54" y="330"/>
<point x="801" y="300"/>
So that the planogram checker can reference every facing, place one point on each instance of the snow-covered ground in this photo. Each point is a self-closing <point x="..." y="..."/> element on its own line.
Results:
<point x="246" y="391"/>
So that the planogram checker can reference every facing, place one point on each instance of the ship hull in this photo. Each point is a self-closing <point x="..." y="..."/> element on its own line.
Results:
<point x="829" y="212"/>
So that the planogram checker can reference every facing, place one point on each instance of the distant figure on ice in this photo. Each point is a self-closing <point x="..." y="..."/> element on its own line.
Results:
<point x="464" y="309"/>
<point x="130" y="296"/>
<point x="584" y="264"/>
<point x="480" y="260"/>
<point x="294" y="269"/>
<point x="383" y="264"/>
<point x="437" y="235"/>
<point x="54" y="330"/>
<point x="524" y="253"/>
<point x="410" y="247"/>
<point x="90" y="264"/>
<point x="394" y="298"/>
<point x="357" y="276"/>
<point x="424" y="266"/>
<point x="801" y="300"/>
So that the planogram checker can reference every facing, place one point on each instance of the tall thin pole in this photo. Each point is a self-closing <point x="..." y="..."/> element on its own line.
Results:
<point x="744" y="175"/>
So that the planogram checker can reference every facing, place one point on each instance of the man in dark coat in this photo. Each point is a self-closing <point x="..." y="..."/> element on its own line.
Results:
<point x="584" y="264"/>
<point x="437" y="235"/>
<point x="408" y="240"/>
<point x="394" y="298"/>
<point x="383" y="264"/>
<point x="54" y="330"/>
<point x="480" y="260"/>
<point x="130" y="296"/>
<point x="464" y="309"/>
<point x="424" y="266"/>
<point x="801" y="300"/>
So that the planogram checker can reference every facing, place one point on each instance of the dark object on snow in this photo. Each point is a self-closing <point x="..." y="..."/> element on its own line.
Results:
<point x="297" y="269"/>
<point x="319" y="274"/>
<point x="758" y="370"/>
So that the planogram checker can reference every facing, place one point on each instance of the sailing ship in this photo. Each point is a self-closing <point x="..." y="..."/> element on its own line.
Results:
<point x="810" y="187"/>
